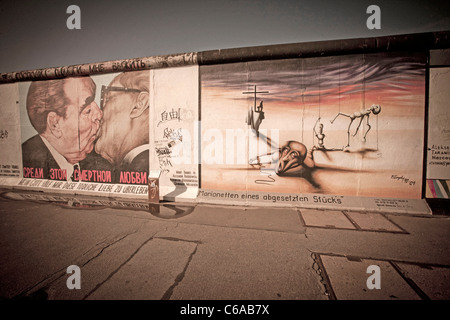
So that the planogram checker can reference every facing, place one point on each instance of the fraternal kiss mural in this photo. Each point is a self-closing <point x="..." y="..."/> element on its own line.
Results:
<point x="67" y="135"/>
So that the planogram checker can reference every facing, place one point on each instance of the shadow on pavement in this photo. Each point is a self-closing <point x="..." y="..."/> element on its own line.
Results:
<point x="161" y="210"/>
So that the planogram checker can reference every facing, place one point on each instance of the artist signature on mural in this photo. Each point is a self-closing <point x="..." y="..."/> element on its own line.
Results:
<point x="403" y="179"/>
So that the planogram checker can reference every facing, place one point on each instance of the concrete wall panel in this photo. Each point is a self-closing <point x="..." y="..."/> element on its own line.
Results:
<point x="10" y="155"/>
<point x="324" y="124"/>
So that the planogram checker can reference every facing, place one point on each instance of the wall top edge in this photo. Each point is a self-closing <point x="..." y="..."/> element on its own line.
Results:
<point x="405" y="42"/>
<point x="133" y="64"/>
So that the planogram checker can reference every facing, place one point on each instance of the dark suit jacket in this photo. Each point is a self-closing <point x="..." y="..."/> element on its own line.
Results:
<point x="139" y="164"/>
<point x="36" y="155"/>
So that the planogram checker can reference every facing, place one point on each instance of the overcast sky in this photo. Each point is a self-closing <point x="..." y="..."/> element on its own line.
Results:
<point x="33" y="34"/>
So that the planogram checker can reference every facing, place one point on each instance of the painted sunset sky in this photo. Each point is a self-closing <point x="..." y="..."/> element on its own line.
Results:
<point x="328" y="81"/>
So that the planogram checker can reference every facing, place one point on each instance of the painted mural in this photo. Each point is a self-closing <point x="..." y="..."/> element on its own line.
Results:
<point x="87" y="129"/>
<point x="336" y="128"/>
<point x="10" y="155"/>
<point x="101" y="133"/>
<point x="174" y="110"/>
<point x="344" y="125"/>
<point x="438" y="152"/>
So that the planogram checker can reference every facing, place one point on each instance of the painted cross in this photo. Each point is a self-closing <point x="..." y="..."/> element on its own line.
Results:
<point x="255" y="92"/>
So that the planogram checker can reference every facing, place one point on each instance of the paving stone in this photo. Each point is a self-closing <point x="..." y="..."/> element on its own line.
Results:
<point x="236" y="263"/>
<point x="326" y="218"/>
<point x="276" y="219"/>
<point x="150" y="273"/>
<point x="373" y="221"/>
<point x="348" y="277"/>
<point x="433" y="281"/>
<point x="102" y="261"/>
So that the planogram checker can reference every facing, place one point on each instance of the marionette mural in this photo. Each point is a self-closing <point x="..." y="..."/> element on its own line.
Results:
<point x="346" y="125"/>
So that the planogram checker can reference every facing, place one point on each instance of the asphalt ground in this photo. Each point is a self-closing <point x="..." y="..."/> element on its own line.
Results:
<point x="196" y="254"/>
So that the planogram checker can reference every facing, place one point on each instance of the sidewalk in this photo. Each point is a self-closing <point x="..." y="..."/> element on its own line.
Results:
<point x="211" y="252"/>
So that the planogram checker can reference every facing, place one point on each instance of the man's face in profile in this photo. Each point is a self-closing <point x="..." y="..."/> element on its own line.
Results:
<point x="116" y="106"/>
<point x="82" y="122"/>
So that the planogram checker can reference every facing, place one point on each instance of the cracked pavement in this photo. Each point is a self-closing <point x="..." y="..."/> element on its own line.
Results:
<point x="218" y="252"/>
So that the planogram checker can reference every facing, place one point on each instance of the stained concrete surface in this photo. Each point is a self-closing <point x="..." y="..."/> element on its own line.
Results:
<point x="208" y="252"/>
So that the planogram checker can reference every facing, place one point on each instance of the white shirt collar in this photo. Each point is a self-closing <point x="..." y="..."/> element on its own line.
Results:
<point x="60" y="160"/>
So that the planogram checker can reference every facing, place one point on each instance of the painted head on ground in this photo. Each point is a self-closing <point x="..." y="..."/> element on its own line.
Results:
<point x="293" y="158"/>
